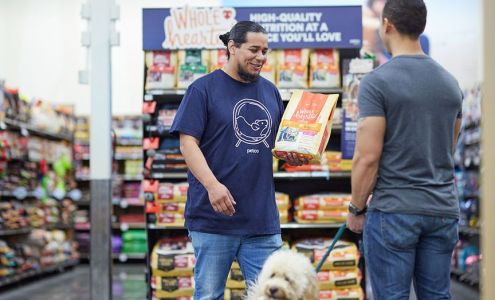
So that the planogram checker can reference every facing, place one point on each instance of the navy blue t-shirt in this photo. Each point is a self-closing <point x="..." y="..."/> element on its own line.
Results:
<point x="236" y="124"/>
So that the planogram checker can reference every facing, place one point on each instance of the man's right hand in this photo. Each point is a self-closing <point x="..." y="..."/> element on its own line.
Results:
<point x="221" y="199"/>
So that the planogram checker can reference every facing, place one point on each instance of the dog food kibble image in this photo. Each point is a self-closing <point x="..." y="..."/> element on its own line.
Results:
<point x="306" y="125"/>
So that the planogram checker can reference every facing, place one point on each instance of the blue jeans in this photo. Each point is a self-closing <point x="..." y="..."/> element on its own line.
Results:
<point x="215" y="254"/>
<point x="400" y="248"/>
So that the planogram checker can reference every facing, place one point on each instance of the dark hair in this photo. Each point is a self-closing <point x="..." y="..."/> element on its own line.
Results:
<point x="238" y="33"/>
<point x="408" y="16"/>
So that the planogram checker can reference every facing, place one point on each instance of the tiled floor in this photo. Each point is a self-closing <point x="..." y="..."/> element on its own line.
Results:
<point x="128" y="284"/>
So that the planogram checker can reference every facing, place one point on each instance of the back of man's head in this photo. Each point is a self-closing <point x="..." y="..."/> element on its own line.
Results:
<point x="408" y="16"/>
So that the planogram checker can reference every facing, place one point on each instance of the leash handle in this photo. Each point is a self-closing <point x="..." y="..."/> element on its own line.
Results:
<point x="335" y="239"/>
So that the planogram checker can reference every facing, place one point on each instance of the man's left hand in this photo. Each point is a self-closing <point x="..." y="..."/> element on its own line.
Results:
<point x="295" y="159"/>
<point x="355" y="223"/>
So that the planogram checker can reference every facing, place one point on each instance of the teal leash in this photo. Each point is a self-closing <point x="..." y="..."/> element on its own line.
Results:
<point x="335" y="240"/>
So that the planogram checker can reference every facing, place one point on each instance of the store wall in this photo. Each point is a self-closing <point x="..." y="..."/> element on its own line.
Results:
<point x="40" y="49"/>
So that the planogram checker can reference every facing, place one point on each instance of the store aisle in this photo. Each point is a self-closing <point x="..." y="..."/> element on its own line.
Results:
<point x="128" y="284"/>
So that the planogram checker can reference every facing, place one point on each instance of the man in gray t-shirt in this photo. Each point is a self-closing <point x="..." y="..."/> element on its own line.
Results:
<point x="410" y="111"/>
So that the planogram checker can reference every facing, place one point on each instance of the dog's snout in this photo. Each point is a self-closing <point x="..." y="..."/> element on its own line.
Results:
<point x="273" y="290"/>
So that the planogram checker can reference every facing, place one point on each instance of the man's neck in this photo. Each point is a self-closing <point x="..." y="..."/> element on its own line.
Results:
<point x="406" y="46"/>
<point x="231" y="70"/>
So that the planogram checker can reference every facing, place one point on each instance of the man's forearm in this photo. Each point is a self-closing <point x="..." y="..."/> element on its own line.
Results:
<point x="196" y="162"/>
<point x="364" y="172"/>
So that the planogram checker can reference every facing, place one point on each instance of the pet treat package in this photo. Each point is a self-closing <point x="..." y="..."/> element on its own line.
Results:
<point x="172" y="193"/>
<point x="306" y="125"/>
<point x="292" y="68"/>
<point x="161" y="70"/>
<point x="218" y="59"/>
<point x="330" y="280"/>
<point x="347" y="294"/>
<point x="321" y="216"/>
<point x="173" y="287"/>
<point x="283" y="205"/>
<point x="173" y="257"/>
<point x="323" y="202"/>
<point x="324" y="68"/>
<point x="193" y="64"/>
<point x="345" y="255"/>
<point x="269" y="69"/>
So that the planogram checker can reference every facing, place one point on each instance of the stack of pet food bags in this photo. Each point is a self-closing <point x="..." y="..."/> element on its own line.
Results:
<point x="283" y="205"/>
<point x="322" y="208"/>
<point x="306" y="126"/>
<point x="172" y="264"/>
<point x="339" y="277"/>
<point x="236" y="285"/>
<point x="331" y="161"/>
<point x="171" y="202"/>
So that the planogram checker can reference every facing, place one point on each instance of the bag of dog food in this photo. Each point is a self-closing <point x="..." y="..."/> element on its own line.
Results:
<point x="306" y="125"/>
<point x="348" y="294"/>
<point x="324" y="68"/>
<point x="269" y="69"/>
<point x="323" y="202"/>
<point x="172" y="257"/>
<point x="170" y="218"/>
<point x="235" y="280"/>
<point x="173" y="287"/>
<point x="282" y="200"/>
<point x="218" y="59"/>
<point x="234" y="294"/>
<point x="292" y="68"/>
<point x="161" y="67"/>
<point x="345" y="255"/>
<point x="193" y="64"/>
<point x="321" y="216"/>
<point x="330" y="280"/>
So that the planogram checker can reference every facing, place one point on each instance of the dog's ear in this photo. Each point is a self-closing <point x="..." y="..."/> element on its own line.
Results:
<point x="312" y="290"/>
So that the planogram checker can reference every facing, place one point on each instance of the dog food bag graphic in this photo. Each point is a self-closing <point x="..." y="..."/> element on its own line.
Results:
<point x="173" y="257"/>
<point x="323" y="202"/>
<point x="193" y="64"/>
<point x="161" y="67"/>
<point x="218" y="59"/>
<point x="269" y="69"/>
<point x="324" y="68"/>
<point x="345" y="255"/>
<point x="173" y="287"/>
<point x="292" y="68"/>
<point x="347" y="294"/>
<point x="234" y="294"/>
<point x="306" y="125"/>
<point x="330" y="280"/>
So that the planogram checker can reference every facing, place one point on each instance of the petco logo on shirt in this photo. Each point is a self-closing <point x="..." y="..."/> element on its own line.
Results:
<point x="190" y="27"/>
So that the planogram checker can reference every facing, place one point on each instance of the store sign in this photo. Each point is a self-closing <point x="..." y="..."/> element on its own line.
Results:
<point x="288" y="27"/>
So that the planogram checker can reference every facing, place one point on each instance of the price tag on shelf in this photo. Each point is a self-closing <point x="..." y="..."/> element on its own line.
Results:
<point x="124" y="226"/>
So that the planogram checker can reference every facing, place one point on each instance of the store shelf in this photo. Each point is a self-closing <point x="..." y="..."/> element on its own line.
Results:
<point x="163" y="227"/>
<point x="10" y="194"/>
<point x="130" y="142"/>
<point x="133" y="156"/>
<point x="38" y="132"/>
<point x="123" y="257"/>
<point x="126" y="202"/>
<point x="129" y="177"/>
<point x="127" y="226"/>
<point x="26" y="230"/>
<point x="33" y="273"/>
<point x="181" y="175"/>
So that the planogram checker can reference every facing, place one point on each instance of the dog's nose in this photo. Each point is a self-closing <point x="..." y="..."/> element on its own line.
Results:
<point x="273" y="290"/>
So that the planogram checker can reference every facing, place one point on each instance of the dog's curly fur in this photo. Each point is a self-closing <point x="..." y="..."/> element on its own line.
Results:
<point x="286" y="275"/>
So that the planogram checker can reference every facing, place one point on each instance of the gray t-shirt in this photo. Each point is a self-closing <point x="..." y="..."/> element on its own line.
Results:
<point x="420" y="101"/>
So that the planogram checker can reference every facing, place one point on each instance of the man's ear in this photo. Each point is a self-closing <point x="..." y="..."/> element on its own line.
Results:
<point x="231" y="47"/>
<point x="387" y="26"/>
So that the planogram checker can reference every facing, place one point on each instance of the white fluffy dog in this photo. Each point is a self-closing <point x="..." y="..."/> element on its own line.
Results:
<point x="286" y="275"/>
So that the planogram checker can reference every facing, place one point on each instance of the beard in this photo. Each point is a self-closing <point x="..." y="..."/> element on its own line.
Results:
<point x="246" y="76"/>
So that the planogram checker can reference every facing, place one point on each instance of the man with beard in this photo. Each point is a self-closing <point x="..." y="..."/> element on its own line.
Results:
<point x="231" y="211"/>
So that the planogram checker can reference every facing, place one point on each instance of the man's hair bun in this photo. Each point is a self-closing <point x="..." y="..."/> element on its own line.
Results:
<point x="225" y="38"/>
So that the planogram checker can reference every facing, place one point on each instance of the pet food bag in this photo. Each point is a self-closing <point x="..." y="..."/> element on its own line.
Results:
<point x="345" y="255"/>
<point x="218" y="59"/>
<point x="162" y="67"/>
<point x="173" y="257"/>
<point x="347" y="294"/>
<point x="269" y="69"/>
<point x="235" y="280"/>
<point x="323" y="202"/>
<point x="321" y="216"/>
<point x="173" y="287"/>
<point x="193" y="64"/>
<point x="324" y="68"/>
<point x="282" y="200"/>
<point x="306" y="125"/>
<point x="330" y="280"/>
<point x="292" y="68"/>
<point x="234" y="294"/>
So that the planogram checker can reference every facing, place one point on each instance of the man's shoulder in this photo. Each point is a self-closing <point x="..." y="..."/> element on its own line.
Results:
<point x="205" y="81"/>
